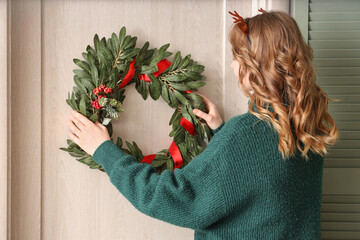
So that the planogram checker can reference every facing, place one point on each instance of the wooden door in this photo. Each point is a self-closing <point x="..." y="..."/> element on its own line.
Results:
<point x="47" y="194"/>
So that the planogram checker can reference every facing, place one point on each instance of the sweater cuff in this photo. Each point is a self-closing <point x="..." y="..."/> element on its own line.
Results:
<point x="214" y="131"/>
<point x="107" y="153"/>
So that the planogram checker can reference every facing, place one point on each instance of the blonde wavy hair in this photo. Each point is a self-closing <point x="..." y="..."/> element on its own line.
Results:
<point x="282" y="74"/>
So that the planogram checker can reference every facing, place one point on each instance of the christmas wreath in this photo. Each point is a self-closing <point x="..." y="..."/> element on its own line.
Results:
<point x="99" y="92"/>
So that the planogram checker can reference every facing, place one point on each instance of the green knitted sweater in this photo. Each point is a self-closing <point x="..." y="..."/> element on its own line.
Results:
<point x="237" y="188"/>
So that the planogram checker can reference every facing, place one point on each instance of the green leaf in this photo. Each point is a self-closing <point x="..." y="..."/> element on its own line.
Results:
<point x="110" y="128"/>
<point x="95" y="75"/>
<point x="180" y="97"/>
<point x="65" y="149"/>
<point x="96" y="43"/>
<point x="175" y="77"/>
<point x="196" y="68"/>
<point x="179" y="86"/>
<point x="173" y="99"/>
<point x="68" y="101"/>
<point x="75" y="154"/>
<point x="164" y="47"/>
<point x="81" y="73"/>
<point x="154" y="87"/>
<point x="76" y="90"/>
<point x="87" y="82"/>
<point x="185" y="113"/>
<point x="78" y="151"/>
<point x="103" y="42"/>
<point x="172" y="132"/>
<point x="185" y="61"/>
<point x="149" y="69"/>
<point x="131" y="148"/>
<point x="79" y="84"/>
<point x="89" y="49"/>
<point x="82" y="105"/>
<point x="87" y="160"/>
<point x="71" y="143"/>
<point x="91" y="59"/>
<point x="138" y="150"/>
<point x="85" y="56"/>
<point x="173" y="117"/>
<point x="161" y="156"/>
<point x="142" y="54"/>
<point x="179" y="136"/>
<point x="154" y="91"/>
<point x="165" y="92"/>
<point x="193" y="116"/>
<point x="154" y="80"/>
<point x="196" y="84"/>
<point x="103" y="60"/>
<point x="129" y="42"/>
<point x="176" y="61"/>
<point x="73" y="102"/>
<point x="115" y="43"/>
<point x="94" y="117"/>
<point x="122" y="34"/>
<point x="201" y="130"/>
<point x="207" y="131"/>
<point x="170" y="164"/>
<point x="119" y="142"/>
<point x="160" y="54"/>
<point x="125" y="42"/>
<point x="82" y="64"/>
<point x="142" y="89"/>
<point x="158" y="162"/>
<point x="193" y="75"/>
<point x="196" y="98"/>
<point x="167" y="54"/>
<point x="106" y="53"/>
<point x="182" y="147"/>
<point x="131" y="52"/>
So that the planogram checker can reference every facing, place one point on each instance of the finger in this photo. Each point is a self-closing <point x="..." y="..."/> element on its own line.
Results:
<point x="97" y="123"/>
<point x="73" y="127"/>
<point x="206" y="100"/>
<point x="84" y="120"/>
<point x="201" y="114"/>
<point x="74" y="138"/>
<point x="77" y="122"/>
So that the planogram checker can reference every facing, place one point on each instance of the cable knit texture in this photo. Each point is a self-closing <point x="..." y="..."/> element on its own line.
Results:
<point x="239" y="187"/>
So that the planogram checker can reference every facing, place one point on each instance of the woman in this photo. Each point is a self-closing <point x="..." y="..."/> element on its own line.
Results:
<point x="255" y="179"/>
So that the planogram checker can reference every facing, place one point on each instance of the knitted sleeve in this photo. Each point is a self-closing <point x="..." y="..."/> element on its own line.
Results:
<point x="192" y="197"/>
<point x="216" y="130"/>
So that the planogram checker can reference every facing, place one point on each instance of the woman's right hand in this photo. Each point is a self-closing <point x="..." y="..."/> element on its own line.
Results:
<point x="212" y="118"/>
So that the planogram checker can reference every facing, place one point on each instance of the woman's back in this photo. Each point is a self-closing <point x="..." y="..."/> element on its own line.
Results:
<point x="267" y="197"/>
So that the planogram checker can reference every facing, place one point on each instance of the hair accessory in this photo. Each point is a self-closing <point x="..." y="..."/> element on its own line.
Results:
<point x="242" y="24"/>
<point x="262" y="10"/>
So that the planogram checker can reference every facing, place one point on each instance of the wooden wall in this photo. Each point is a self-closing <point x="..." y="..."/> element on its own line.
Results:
<point x="46" y="193"/>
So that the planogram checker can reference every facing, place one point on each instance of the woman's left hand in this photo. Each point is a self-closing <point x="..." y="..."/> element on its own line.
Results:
<point x="85" y="133"/>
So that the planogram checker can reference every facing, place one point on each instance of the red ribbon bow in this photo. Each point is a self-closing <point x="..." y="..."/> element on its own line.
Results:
<point x="173" y="149"/>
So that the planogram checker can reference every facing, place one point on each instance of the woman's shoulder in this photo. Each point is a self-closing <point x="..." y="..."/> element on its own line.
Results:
<point x="246" y="128"/>
<point x="243" y="121"/>
<point x="236" y="127"/>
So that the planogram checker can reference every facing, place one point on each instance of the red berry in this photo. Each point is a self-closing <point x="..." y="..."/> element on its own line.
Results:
<point x="102" y="87"/>
<point x="96" y="104"/>
<point x="108" y="90"/>
<point x="96" y="91"/>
